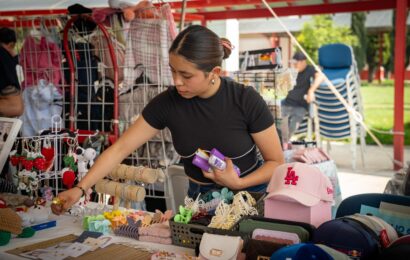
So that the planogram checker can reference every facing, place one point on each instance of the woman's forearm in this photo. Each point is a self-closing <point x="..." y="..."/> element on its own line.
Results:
<point x="138" y="134"/>
<point x="102" y="167"/>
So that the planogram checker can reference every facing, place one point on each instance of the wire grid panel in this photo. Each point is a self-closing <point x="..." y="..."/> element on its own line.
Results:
<point x="39" y="72"/>
<point x="93" y="98"/>
<point x="147" y="74"/>
<point x="141" y="52"/>
<point x="59" y="141"/>
<point x="263" y="82"/>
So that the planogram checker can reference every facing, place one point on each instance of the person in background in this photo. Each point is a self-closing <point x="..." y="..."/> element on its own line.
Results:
<point x="296" y="104"/>
<point x="204" y="111"/>
<point x="11" y="101"/>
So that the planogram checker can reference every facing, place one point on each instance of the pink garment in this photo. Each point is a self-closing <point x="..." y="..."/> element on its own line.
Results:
<point x="167" y="14"/>
<point x="40" y="60"/>
<point x="155" y="230"/>
<point x="100" y="14"/>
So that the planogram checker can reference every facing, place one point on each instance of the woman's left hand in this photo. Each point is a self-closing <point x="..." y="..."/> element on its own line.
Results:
<point x="227" y="178"/>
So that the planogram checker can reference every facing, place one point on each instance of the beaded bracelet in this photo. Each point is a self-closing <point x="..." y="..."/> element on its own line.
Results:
<point x="82" y="190"/>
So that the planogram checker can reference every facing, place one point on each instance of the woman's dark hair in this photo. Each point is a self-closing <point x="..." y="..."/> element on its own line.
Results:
<point x="7" y="35"/>
<point x="202" y="47"/>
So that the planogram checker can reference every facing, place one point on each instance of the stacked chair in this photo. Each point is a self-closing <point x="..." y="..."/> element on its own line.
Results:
<point x="335" y="122"/>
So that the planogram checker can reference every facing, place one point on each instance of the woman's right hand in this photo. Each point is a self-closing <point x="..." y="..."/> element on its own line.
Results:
<point x="67" y="199"/>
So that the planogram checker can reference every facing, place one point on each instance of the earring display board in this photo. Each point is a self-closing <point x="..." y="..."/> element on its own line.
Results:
<point x="9" y="128"/>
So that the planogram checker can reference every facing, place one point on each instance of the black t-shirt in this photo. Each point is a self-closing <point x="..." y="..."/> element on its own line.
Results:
<point x="304" y="79"/>
<point x="223" y="121"/>
<point x="8" y="74"/>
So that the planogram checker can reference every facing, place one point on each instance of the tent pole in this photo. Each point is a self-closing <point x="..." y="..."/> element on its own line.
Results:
<point x="399" y="54"/>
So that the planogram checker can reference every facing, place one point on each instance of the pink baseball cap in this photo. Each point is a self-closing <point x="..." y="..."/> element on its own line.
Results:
<point x="300" y="182"/>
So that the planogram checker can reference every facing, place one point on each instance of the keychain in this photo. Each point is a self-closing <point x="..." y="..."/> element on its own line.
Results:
<point x="68" y="173"/>
<point x="48" y="152"/>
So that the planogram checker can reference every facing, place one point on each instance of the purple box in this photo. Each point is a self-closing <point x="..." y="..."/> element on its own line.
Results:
<point x="217" y="160"/>
<point x="201" y="163"/>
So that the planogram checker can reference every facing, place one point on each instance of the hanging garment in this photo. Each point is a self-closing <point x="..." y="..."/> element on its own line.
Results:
<point x="102" y="108"/>
<point x="147" y="44"/>
<point x="41" y="102"/>
<point x="86" y="70"/>
<point x="102" y="51"/>
<point x="166" y="12"/>
<point x="40" y="59"/>
<point x="131" y="105"/>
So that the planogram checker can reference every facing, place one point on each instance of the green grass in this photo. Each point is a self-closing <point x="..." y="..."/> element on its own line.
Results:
<point x="378" y="103"/>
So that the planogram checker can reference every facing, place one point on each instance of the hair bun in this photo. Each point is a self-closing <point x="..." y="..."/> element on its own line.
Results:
<point x="227" y="47"/>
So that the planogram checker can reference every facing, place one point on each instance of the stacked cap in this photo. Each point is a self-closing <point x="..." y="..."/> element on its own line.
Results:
<point x="398" y="250"/>
<point x="383" y="230"/>
<point x="300" y="182"/>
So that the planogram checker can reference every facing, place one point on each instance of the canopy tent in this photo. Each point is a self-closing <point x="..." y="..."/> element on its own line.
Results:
<point x="206" y="10"/>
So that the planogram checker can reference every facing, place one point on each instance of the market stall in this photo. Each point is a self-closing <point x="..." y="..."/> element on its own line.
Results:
<point x="87" y="74"/>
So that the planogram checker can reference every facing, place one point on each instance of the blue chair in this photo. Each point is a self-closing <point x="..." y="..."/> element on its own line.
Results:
<point x="352" y="205"/>
<point x="335" y="122"/>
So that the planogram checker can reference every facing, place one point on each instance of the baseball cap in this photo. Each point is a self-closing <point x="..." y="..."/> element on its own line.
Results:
<point x="348" y="236"/>
<point x="298" y="56"/>
<point x="399" y="249"/>
<point x="300" y="182"/>
<point x="383" y="229"/>
<point x="303" y="251"/>
<point x="334" y="253"/>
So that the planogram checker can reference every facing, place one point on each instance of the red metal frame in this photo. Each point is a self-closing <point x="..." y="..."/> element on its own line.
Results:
<point x="72" y="72"/>
<point x="399" y="55"/>
<point x="224" y="3"/>
<point x="26" y="23"/>
<point x="303" y="10"/>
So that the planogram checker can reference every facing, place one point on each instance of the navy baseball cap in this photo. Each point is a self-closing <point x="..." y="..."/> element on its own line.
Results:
<point x="348" y="236"/>
<point x="302" y="251"/>
<point x="298" y="56"/>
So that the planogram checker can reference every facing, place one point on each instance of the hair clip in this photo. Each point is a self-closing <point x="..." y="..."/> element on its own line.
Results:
<point x="184" y="215"/>
<point x="167" y="215"/>
<point x="227" y="44"/>
<point x="225" y="195"/>
<point x="146" y="222"/>
<point x="193" y="205"/>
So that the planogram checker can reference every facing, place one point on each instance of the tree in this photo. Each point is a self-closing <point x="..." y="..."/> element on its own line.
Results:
<point x="359" y="29"/>
<point x="322" y="31"/>
<point x="372" y="56"/>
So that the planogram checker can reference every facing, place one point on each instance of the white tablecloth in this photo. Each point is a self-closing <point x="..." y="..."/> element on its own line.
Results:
<point x="67" y="225"/>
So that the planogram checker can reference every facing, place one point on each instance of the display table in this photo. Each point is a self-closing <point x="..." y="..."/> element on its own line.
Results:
<point x="68" y="225"/>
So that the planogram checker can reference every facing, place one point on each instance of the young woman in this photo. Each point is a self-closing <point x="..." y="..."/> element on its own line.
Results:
<point x="203" y="111"/>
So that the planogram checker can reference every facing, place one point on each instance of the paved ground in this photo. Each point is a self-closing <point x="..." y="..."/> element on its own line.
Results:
<point x="378" y="168"/>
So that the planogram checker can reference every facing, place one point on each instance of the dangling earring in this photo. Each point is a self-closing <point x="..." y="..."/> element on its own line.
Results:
<point x="213" y="81"/>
